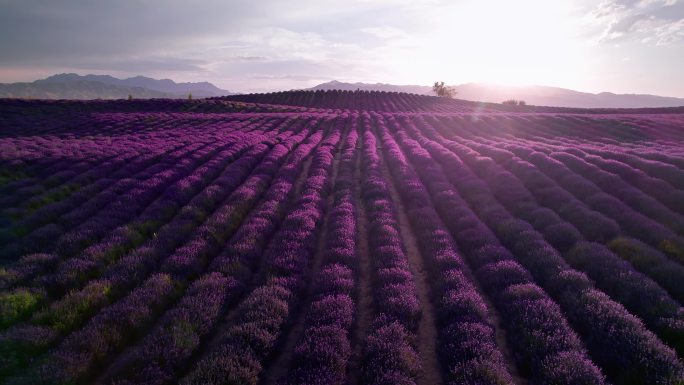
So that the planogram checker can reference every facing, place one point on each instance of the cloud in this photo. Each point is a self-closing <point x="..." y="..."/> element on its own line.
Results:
<point x="222" y="40"/>
<point x="273" y="44"/>
<point x="250" y="58"/>
<point x="660" y="22"/>
<point x="299" y="78"/>
<point x="670" y="33"/>
<point x="384" y="32"/>
<point x="33" y="31"/>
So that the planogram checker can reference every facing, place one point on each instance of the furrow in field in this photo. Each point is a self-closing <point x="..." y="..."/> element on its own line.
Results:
<point x="278" y="363"/>
<point x="426" y="335"/>
<point x="364" y="287"/>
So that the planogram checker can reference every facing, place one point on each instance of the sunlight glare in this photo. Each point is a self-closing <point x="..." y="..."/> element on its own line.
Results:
<point x="510" y="43"/>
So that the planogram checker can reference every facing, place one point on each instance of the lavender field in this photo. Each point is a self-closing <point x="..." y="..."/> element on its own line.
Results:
<point x="340" y="238"/>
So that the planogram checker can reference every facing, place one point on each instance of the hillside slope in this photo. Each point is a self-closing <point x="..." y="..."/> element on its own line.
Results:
<point x="535" y="95"/>
<point x="383" y="101"/>
<point x="210" y="241"/>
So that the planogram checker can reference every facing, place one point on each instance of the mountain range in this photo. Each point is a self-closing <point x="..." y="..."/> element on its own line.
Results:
<point x="74" y="86"/>
<point x="533" y="95"/>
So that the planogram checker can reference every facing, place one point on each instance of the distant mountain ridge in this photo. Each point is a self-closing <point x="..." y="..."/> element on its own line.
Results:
<point x="199" y="89"/>
<point x="533" y="95"/>
<point x="82" y="90"/>
<point x="74" y="86"/>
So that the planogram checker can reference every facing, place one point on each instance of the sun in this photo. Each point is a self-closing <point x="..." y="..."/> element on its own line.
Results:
<point x="512" y="43"/>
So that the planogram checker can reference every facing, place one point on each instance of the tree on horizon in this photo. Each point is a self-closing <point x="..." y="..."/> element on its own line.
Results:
<point x="443" y="91"/>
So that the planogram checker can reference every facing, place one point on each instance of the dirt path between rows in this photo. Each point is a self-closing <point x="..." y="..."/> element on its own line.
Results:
<point x="494" y="318"/>
<point x="213" y="339"/>
<point x="280" y="361"/>
<point x="364" y="295"/>
<point x="427" y="329"/>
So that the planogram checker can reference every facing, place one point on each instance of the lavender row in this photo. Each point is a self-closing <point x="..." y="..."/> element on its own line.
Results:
<point x="657" y="188"/>
<point x="239" y="159"/>
<point x="659" y="166"/>
<point x="92" y="175"/>
<point x="241" y="156"/>
<point x="71" y="274"/>
<point x="617" y="340"/>
<point x="655" y="264"/>
<point x="47" y="157"/>
<point x="76" y="295"/>
<point x="389" y="354"/>
<point x="359" y="100"/>
<point x="154" y="144"/>
<point x="133" y="267"/>
<point x="212" y="235"/>
<point x="58" y="170"/>
<point x="252" y="333"/>
<point x="52" y="213"/>
<point x="81" y="351"/>
<point x="614" y="185"/>
<point x="77" y="306"/>
<point x="546" y="349"/>
<point x="131" y="204"/>
<point x="73" y="175"/>
<point x="592" y="225"/>
<point x="43" y="237"/>
<point x="467" y="345"/>
<point x="198" y="309"/>
<point x="633" y="223"/>
<point x="321" y="355"/>
<point x="640" y="152"/>
<point x="159" y="356"/>
<point x="638" y="293"/>
<point x="75" y="118"/>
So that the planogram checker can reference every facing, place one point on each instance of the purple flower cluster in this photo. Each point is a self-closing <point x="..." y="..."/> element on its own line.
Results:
<point x="657" y="188"/>
<point x="655" y="164"/>
<point x="616" y="277"/>
<point x="259" y="319"/>
<point x="131" y="269"/>
<point x="390" y="354"/>
<point x="463" y="323"/>
<point x="337" y="237"/>
<point x="535" y="324"/>
<point x="155" y="362"/>
<point x="90" y="346"/>
<point x="667" y="273"/>
<point x="633" y="223"/>
<point x="98" y="197"/>
<point x="591" y="224"/>
<point x="321" y="355"/>
<point x="617" y="187"/>
<point x="66" y="274"/>
<point x="616" y="339"/>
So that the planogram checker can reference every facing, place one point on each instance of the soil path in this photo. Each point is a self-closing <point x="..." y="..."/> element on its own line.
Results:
<point x="364" y="295"/>
<point x="213" y="339"/>
<point x="427" y="330"/>
<point x="280" y="360"/>
<point x="494" y="319"/>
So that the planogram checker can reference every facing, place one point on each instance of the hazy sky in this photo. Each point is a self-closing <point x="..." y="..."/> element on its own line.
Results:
<point x="623" y="46"/>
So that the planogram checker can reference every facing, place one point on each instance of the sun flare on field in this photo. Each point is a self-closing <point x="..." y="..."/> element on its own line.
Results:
<point x="500" y="42"/>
